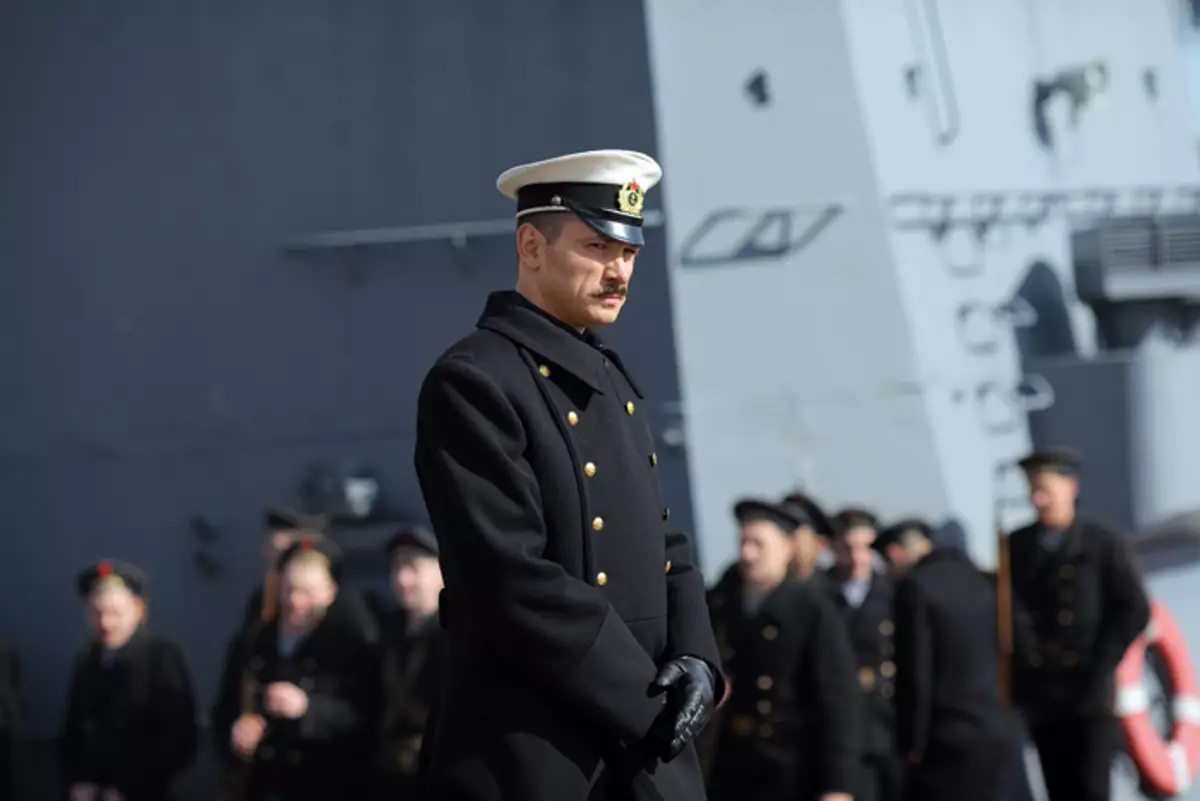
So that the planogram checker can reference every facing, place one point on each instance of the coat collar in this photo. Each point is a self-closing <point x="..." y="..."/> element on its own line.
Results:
<point x="511" y="315"/>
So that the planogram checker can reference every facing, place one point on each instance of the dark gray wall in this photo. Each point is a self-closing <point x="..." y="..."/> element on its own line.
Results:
<point x="161" y="359"/>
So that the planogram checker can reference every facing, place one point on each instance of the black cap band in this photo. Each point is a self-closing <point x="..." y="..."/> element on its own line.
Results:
<point x="595" y="204"/>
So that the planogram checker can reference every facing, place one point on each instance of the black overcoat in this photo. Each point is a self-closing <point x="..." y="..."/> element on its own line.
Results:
<point x="130" y="722"/>
<point x="565" y="589"/>
<point x="950" y="720"/>
<point x="871" y="628"/>
<point x="1076" y="610"/>
<point x="791" y="726"/>
<point x="323" y="754"/>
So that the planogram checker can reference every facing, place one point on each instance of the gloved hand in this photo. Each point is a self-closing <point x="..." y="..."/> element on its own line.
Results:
<point x="688" y="683"/>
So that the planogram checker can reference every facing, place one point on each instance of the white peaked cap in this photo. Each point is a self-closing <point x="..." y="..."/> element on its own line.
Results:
<point x="604" y="188"/>
<point x="616" y="167"/>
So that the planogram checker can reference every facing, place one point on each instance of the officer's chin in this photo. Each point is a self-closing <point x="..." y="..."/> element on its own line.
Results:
<point x="605" y="313"/>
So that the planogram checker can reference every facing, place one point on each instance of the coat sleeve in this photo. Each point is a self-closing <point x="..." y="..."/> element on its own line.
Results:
<point x="841" y="713"/>
<point x="1126" y="610"/>
<point x="914" y="670"/>
<point x="484" y="501"/>
<point x="689" y="623"/>
<point x="1024" y="637"/>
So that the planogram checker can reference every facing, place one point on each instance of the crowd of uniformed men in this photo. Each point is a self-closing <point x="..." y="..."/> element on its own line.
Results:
<point x="861" y="661"/>
<point x="571" y="652"/>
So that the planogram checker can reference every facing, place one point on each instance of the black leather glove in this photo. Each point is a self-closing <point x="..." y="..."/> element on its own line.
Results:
<point x="688" y="683"/>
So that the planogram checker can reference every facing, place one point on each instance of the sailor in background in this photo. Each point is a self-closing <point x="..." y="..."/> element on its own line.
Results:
<point x="814" y="540"/>
<point x="130" y="727"/>
<point x="582" y="658"/>
<point x="862" y="591"/>
<point x="413" y="659"/>
<point x="951" y="725"/>
<point x="790" y="729"/>
<point x="305" y="723"/>
<point x="282" y="528"/>
<point x="1078" y="604"/>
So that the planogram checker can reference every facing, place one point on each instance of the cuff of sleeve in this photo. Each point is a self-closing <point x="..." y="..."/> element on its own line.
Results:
<point x="615" y="688"/>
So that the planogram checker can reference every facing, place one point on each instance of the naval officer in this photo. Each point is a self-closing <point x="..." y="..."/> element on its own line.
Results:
<point x="581" y="658"/>
<point x="1078" y="604"/>
<point x="951" y="726"/>
<point x="790" y="729"/>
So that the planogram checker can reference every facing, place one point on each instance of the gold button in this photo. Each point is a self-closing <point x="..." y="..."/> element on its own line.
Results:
<point x="544" y="370"/>
<point x="866" y="679"/>
<point x="742" y="725"/>
<point x="887" y="669"/>
<point x="1065" y="617"/>
<point x="601" y="578"/>
<point x="667" y="513"/>
<point x="770" y="632"/>
<point x="887" y="691"/>
<point x="307" y="684"/>
<point x="572" y="418"/>
<point x="598" y="524"/>
<point x="654" y="460"/>
<point x="886" y="628"/>
<point x="765" y="731"/>
<point x="1070" y="658"/>
<point x="765" y="683"/>
<point x="763" y="707"/>
<point x="590" y="469"/>
<point x="1067" y="571"/>
<point x="629" y="407"/>
<point x="668" y="570"/>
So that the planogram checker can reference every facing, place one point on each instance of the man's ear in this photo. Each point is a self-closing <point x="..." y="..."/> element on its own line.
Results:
<point x="531" y="246"/>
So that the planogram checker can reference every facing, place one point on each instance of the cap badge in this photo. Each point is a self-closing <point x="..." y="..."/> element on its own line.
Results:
<point x="630" y="198"/>
<point x="307" y="544"/>
<point x="107" y="578"/>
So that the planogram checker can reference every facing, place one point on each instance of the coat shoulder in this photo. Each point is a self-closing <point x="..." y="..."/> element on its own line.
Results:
<point x="486" y="350"/>
<point x="1100" y="532"/>
<point x="482" y="358"/>
<point x="1024" y="535"/>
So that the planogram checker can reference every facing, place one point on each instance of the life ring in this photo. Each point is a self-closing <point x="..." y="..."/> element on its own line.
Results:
<point x="1166" y="767"/>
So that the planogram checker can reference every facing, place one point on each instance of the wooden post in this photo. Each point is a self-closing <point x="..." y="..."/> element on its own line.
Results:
<point x="1004" y="616"/>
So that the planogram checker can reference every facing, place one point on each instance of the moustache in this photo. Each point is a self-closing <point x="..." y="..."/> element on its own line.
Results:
<point x="613" y="289"/>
